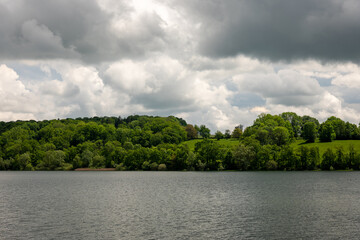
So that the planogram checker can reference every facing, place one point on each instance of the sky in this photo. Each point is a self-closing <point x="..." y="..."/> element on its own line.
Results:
<point x="214" y="62"/>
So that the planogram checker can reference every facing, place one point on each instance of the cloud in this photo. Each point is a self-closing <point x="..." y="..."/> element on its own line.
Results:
<point x="14" y="97"/>
<point x="287" y="87"/>
<point x="85" y="30"/>
<point x="218" y="63"/>
<point x="277" y="30"/>
<point x="351" y="80"/>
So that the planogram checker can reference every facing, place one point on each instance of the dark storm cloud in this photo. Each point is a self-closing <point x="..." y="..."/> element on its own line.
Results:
<point x="278" y="29"/>
<point x="73" y="29"/>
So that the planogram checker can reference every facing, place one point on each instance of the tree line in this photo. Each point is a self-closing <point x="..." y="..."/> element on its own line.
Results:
<point x="160" y="143"/>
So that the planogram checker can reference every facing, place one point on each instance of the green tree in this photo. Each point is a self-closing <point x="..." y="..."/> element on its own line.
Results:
<point x="86" y="158"/>
<point x="263" y="136"/>
<point x="327" y="133"/>
<point x="309" y="132"/>
<point x="294" y="120"/>
<point x="236" y="133"/>
<point x="178" y="161"/>
<point x="340" y="161"/>
<point x="271" y="165"/>
<point x="227" y="134"/>
<point x="97" y="162"/>
<point x="4" y="164"/>
<point x="204" y="131"/>
<point x="328" y="159"/>
<point x="351" y="157"/>
<point x="245" y="157"/>
<point x="24" y="161"/>
<point x="288" y="159"/>
<point x="53" y="160"/>
<point x="314" y="158"/>
<point x="280" y="136"/>
<point x="208" y="152"/>
<point x="219" y="135"/>
<point x="304" y="158"/>
<point x="339" y="127"/>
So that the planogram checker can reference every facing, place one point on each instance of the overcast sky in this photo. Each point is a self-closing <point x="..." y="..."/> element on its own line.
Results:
<point x="213" y="62"/>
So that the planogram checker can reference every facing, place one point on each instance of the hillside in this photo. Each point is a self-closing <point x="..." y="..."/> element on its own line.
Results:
<point x="323" y="146"/>
<point x="170" y="143"/>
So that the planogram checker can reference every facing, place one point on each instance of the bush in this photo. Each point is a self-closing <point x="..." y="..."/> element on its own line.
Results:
<point x="271" y="165"/>
<point x="97" y="162"/>
<point x="68" y="167"/>
<point x="29" y="167"/>
<point x="145" y="166"/>
<point x="154" y="166"/>
<point x="120" y="167"/>
<point x="162" y="167"/>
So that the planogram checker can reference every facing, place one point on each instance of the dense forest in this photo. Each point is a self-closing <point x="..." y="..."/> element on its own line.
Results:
<point x="162" y="143"/>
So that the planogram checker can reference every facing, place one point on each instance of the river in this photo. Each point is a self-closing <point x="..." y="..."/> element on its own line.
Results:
<point x="179" y="205"/>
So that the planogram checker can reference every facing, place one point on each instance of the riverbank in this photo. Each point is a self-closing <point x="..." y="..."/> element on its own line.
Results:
<point x="94" y="169"/>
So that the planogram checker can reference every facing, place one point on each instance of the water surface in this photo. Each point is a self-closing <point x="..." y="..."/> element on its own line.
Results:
<point x="179" y="205"/>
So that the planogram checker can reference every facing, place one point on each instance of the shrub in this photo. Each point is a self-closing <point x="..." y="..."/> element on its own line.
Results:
<point x="162" y="167"/>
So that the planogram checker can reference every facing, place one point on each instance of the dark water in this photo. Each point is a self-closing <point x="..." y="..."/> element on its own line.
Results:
<point x="179" y="205"/>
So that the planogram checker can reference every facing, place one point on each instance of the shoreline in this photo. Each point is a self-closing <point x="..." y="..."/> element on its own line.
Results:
<point x="94" y="169"/>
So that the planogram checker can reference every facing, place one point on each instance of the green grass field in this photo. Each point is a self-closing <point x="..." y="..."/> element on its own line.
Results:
<point x="344" y="144"/>
<point x="225" y="142"/>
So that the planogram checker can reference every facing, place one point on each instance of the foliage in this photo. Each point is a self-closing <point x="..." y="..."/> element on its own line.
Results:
<point x="191" y="132"/>
<point x="219" y="135"/>
<point x="269" y="129"/>
<point x="327" y="133"/>
<point x="309" y="132"/>
<point x="159" y="143"/>
<point x="204" y="131"/>
<point x="236" y="133"/>
<point x="227" y="134"/>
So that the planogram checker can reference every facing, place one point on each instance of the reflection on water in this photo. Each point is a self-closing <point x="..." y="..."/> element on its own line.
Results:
<point x="179" y="205"/>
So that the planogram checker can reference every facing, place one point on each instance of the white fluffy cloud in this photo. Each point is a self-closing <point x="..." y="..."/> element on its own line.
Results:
<point x="85" y="58"/>
<point x="351" y="80"/>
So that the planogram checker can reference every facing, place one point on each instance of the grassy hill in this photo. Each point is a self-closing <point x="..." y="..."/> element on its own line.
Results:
<point x="344" y="144"/>
<point x="225" y="142"/>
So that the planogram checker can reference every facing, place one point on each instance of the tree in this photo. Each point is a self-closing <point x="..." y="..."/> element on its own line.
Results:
<point x="314" y="158"/>
<point x="351" y="157"/>
<point x="208" y="152"/>
<point x="338" y="126"/>
<point x="244" y="157"/>
<point x="340" y="161"/>
<point x="328" y="160"/>
<point x="191" y="132"/>
<point x="294" y="120"/>
<point x="23" y="161"/>
<point x="97" y="162"/>
<point x="53" y="160"/>
<point x="263" y="136"/>
<point x="204" y="131"/>
<point x="178" y="161"/>
<point x="86" y="157"/>
<point x="219" y="135"/>
<point x="304" y="158"/>
<point x="309" y="132"/>
<point x="327" y="133"/>
<point x="288" y="159"/>
<point x="227" y="134"/>
<point x="280" y="136"/>
<point x="237" y="132"/>
<point x="271" y="165"/>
